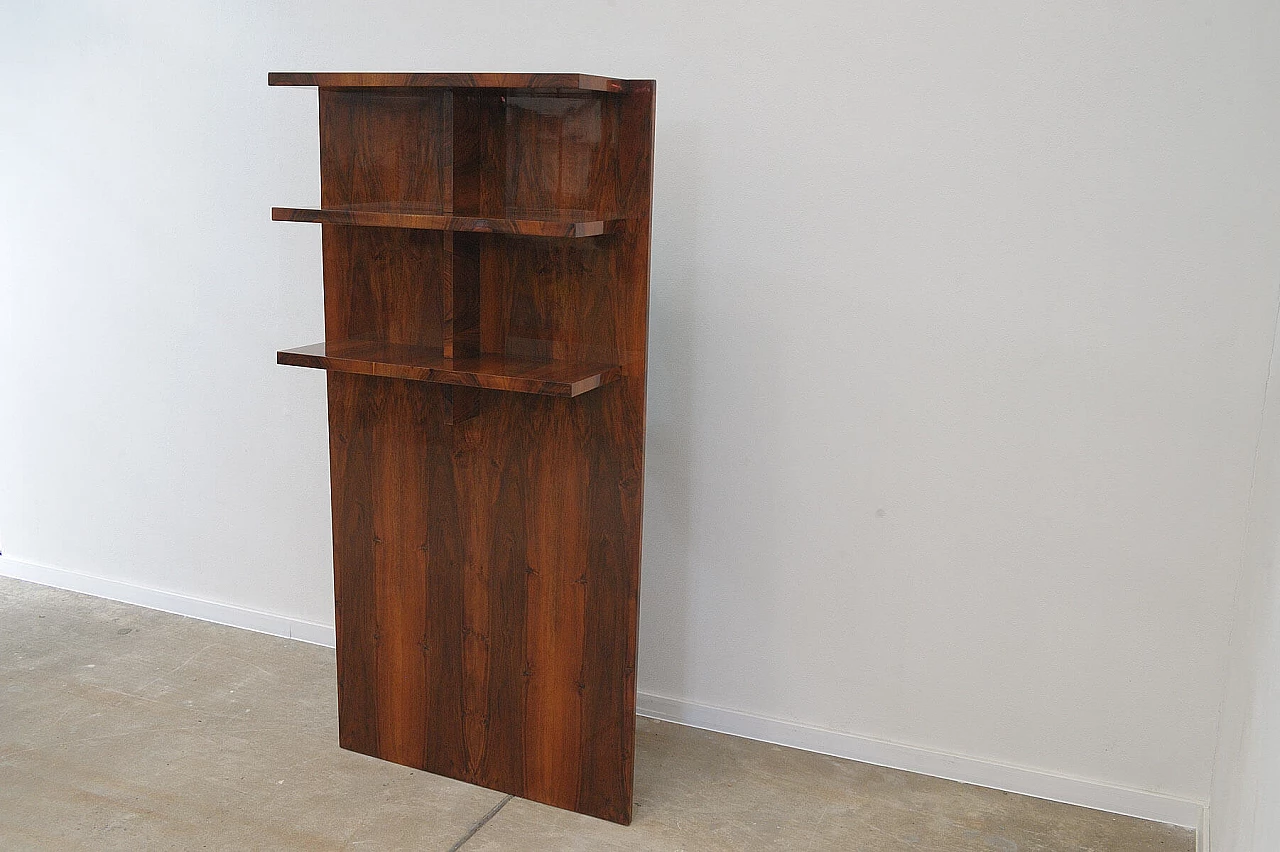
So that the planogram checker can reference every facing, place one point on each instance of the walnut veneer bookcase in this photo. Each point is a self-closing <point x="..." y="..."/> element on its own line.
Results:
<point x="486" y="289"/>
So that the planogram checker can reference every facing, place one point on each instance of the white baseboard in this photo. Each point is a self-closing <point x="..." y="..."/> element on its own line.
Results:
<point x="179" y="604"/>
<point x="983" y="773"/>
<point x="969" y="770"/>
<point x="1202" y="833"/>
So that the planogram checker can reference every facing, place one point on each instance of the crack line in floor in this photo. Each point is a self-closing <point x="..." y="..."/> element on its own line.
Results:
<point x="479" y="824"/>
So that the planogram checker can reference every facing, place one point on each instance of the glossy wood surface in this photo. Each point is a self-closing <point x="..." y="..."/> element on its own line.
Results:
<point x="487" y="542"/>
<point x="420" y="364"/>
<point x="525" y="223"/>
<point x="567" y="82"/>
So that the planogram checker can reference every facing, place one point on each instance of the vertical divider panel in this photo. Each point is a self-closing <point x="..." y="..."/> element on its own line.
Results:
<point x="467" y="162"/>
<point x="467" y="169"/>
<point x="460" y="280"/>
<point x="467" y="253"/>
<point x="447" y="296"/>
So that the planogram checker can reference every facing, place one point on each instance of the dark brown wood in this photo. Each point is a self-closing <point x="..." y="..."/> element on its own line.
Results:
<point x="487" y="542"/>
<point x="567" y="82"/>
<point x="461" y="293"/>
<point x="422" y="364"/>
<point x="463" y="403"/>
<point x="380" y="285"/>
<point x="374" y="155"/>
<point x="529" y="223"/>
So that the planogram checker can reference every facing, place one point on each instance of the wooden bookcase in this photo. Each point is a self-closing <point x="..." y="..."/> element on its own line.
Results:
<point x="486" y="290"/>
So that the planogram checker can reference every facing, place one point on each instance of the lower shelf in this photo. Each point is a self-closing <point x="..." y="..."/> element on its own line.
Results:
<point x="417" y="363"/>
<point x="532" y="223"/>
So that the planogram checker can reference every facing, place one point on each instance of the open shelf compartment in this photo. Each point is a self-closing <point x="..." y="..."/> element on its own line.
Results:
<point x="423" y="364"/>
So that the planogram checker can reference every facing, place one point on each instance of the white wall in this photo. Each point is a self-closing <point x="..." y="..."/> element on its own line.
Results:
<point x="961" y="316"/>
<point x="1244" y="806"/>
<point x="1245" y="800"/>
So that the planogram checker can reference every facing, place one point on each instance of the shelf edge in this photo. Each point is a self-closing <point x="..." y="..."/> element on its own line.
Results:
<point x="448" y="222"/>
<point x="428" y="80"/>
<point x="305" y="357"/>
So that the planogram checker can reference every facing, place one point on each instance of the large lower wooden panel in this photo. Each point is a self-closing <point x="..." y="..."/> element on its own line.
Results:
<point x="487" y="576"/>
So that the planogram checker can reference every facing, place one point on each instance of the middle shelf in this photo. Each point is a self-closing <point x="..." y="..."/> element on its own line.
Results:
<point x="533" y="223"/>
<point x="423" y="364"/>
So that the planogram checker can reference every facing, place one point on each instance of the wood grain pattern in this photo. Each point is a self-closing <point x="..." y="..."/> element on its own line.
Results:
<point x="365" y="294"/>
<point x="580" y="82"/>
<point x="423" y="364"/>
<point x="374" y="154"/>
<point x="530" y="223"/>
<point x="352" y="413"/>
<point x="487" y="542"/>
<point x="461" y="293"/>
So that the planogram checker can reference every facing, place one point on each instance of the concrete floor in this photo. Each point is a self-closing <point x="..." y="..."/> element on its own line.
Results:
<point x="125" y="728"/>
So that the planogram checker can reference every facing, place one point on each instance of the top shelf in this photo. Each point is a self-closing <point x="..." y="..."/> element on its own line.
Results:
<point x="343" y="80"/>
